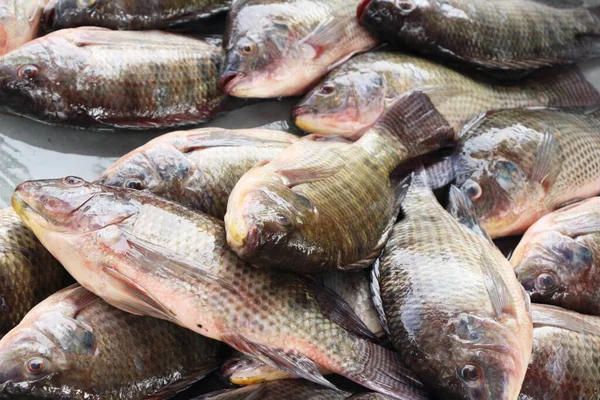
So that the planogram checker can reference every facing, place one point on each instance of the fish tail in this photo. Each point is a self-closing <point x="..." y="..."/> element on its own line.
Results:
<point x="566" y="87"/>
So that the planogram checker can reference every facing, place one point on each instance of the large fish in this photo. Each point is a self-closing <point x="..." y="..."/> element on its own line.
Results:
<point x="452" y="305"/>
<point x="129" y="15"/>
<point x="149" y="256"/>
<point x="75" y="346"/>
<point x="281" y="47"/>
<point x="353" y="96"/>
<point x="28" y="273"/>
<point x="506" y="35"/>
<point x="330" y="204"/>
<point x="197" y="168"/>
<point x="558" y="259"/>
<point x="278" y="390"/>
<point x="110" y="79"/>
<point x="19" y="22"/>
<point x="565" y="363"/>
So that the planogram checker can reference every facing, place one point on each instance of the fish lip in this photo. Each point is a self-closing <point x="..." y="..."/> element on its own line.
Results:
<point x="302" y="110"/>
<point x="229" y="79"/>
<point x="362" y="8"/>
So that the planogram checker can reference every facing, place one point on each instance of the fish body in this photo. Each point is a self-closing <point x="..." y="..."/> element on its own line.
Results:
<point x="452" y="305"/>
<point x="354" y="95"/>
<point x="517" y="166"/>
<point x="28" y="272"/>
<point x="76" y="346"/>
<point x="279" y="48"/>
<point x="19" y="22"/>
<point x="95" y="77"/>
<point x="558" y="258"/>
<point x="196" y="168"/>
<point x="153" y="257"/>
<point x="290" y="390"/>
<point x="505" y="35"/>
<point x="129" y="15"/>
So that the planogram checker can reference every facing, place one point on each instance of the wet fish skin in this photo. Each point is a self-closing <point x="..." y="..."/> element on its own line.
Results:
<point x="28" y="273"/>
<point x="277" y="48"/>
<point x="351" y="98"/>
<point x="87" y="349"/>
<point x="127" y="15"/>
<point x="19" y="22"/>
<point x="451" y="302"/>
<point x="290" y="390"/>
<point x="152" y="257"/>
<point x="196" y="168"/>
<point x="507" y="35"/>
<point x="95" y="77"/>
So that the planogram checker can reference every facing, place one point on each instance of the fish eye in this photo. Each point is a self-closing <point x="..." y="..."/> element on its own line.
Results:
<point x="73" y="181"/>
<point x="283" y="220"/>
<point x="36" y="366"/>
<point x="472" y="189"/>
<point x="327" y="88"/>
<point x="86" y="3"/>
<point x="248" y="48"/>
<point x="545" y="283"/>
<point x="134" y="183"/>
<point x="27" y="72"/>
<point x="471" y="373"/>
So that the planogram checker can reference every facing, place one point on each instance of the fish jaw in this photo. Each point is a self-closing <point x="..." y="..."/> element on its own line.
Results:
<point x="263" y="84"/>
<point x="323" y="124"/>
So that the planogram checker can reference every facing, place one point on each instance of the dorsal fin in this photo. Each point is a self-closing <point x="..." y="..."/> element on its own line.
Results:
<point x="544" y="315"/>
<point x="81" y="298"/>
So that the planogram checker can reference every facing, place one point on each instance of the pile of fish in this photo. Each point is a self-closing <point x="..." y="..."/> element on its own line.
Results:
<point x="352" y="256"/>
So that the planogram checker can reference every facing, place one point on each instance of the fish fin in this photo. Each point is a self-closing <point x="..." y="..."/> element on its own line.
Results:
<point x="212" y="137"/>
<point x="252" y="392"/>
<point x="287" y="360"/>
<point x="468" y="127"/>
<point x="565" y="87"/>
<point x="416" y="123"/>
<point x="461" y="208"/>
<point x="376" y="297"/>
<point x="496" y="287"/>
<point x="527" y="300"/>
<point x="323" y="36"/>
<point x="579" y="224"/>
<point x="299" y="176"/>
<point x="334" y="306"/>
<point x="441" y="173"/>
<point x="186" y="381"/>
<point x="343" y="60"/>
<point x="81" y="298"/>
<point x="546" y="168"/>
<point x="544" y="315"/>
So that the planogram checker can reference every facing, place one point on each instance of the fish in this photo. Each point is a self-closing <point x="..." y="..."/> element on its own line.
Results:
<point x="74" y="345"/>
<point x="28" y="272"/>
<point x="564" y="364"/>
<point x="97" y="78"/>
<point x="369" y="396"/>
<point x="278" y="48"/>
<point x="512" y="35"/>
<point x="290" y="390"/>
<point x="450" y="301"/>
<point x="517" y="166"/>
<point x="353" y="96"/>
<point x="557" y="259"/>
<point x="128" y="15"/>
<point x="245" y="370"/>
<point x="196" y="168"/>
<point x="149" y="256"/>
<point x="329" y="204"/>
<point x="19" y="22"/>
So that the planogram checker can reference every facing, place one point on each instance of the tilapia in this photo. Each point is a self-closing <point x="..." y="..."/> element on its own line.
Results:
<point x="289" y="390"/>
<point x="149" y="256"/>
<point x="75" y="346"/>
<point x="95" y="77"/>
<point x="28" y="273"/>
<point x="19" y="22"/>
<point x="279" y="48"/>
<point x="242" y="369"/>
<point x="517" y="166"/>
<point x="326" y="204"/>
<point x="450" y="301"/>
<point x="497" y="35"/>
<point x="564" y="364"/>
<point x="130" y="15"/>
<point x="557" y="260"/>
<point x="197" y="168"/>
<point x="354" y="95"/>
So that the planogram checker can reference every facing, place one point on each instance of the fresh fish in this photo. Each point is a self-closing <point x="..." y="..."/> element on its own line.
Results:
<point x="107" y="79"/>
<point x="353" y="96"/>
<point x="281" y="48"/>
<point x="129" y="15"/>
<point x="452" y="305"/>
<point x="330" y="204"/>
<point x="28" y="273"/>
<point x="19" y="22"/>
<point x="75" y="346"/>
<point x="517" y="166"/>
<point x="564" y="364"/>
<point x="557" y="260"/>
<point x="242" y="369"/>
<point x="289" y="390"/>
<point x="197" y="168"/>
<point x="148" y="256"/>
<point x="497" y="35"/>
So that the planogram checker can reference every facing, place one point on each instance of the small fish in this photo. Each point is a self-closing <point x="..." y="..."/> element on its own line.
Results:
<point x="450" y="301"/>
<point x="327" y="204"/>
<point x="149" y="256"/>
<point x="495" y="35"/>
<point x="557" y="260"/>
<point x="279" y="48"/>
<point x="95" y="77"/>
<point x="278" y="390"/>
<point x="75" y="346"/>
<point x="196" y="168"/>
<point x="565" y="363"/>
<point x="19" y="22"/>
<point x="129" y="15"/>
<point x="353" y="96"/>
<point x="28" y="272"/>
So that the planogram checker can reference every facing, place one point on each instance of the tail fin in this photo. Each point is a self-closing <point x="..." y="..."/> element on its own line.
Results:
<point x="565" y="87"/>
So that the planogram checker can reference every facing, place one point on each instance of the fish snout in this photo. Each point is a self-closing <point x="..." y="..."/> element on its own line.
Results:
<point x="228" y="80"/>
<point x="299" y="111"/>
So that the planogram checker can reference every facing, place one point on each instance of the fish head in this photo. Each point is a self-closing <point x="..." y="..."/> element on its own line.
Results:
<point x="71" y="13"/>
<point x="139" y="171"/>
<point x="343" y="104"/>
<point x="398" y="13"/>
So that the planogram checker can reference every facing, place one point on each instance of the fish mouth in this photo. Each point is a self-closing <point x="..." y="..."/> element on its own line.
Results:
<point x="302" y="110"/>
<point x="362" y="7"/>
<point x="228" y="80"/>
